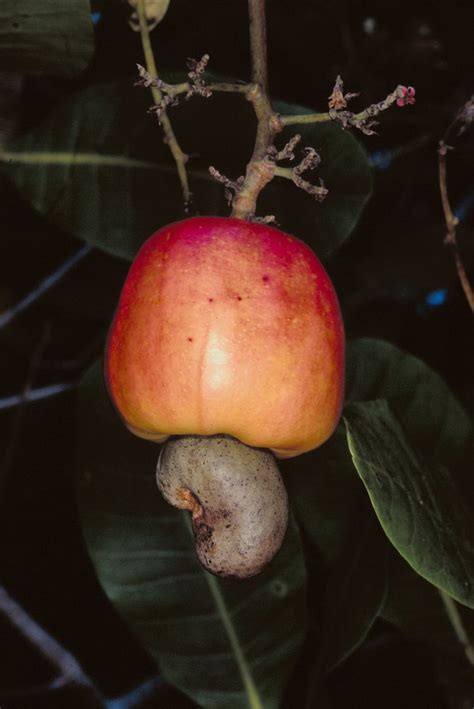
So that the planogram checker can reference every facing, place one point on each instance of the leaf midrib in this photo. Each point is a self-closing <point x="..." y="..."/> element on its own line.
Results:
<point x="250" y="687"/>
<point x="253" y="696"/>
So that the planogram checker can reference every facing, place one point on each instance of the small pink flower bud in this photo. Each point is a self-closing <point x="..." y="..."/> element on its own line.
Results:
<point x="406" y="96"/>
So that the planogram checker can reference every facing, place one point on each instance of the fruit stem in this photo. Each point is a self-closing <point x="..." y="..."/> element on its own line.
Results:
<point x="258" y="43"/>
<point x="261" y="169"/>
<point x="170" y="138"/>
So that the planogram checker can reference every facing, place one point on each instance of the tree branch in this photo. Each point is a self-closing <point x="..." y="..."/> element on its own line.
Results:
<point x="68" y="669"/>
<point x="178" y="155"/>
<point x="30" y="395"/>
<point x="258" y="43"/>
<point x="261" y="168"/>
<point x="451" y="224"/>
<point x="8" y="315"/>
<point x="363" y="120"/>
<point x="188" y="87"/>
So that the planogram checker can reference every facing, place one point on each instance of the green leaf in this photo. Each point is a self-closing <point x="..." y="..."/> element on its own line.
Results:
<point x="225" y="643"/>
<point x="323" y="484"/>
<point x="325" y="489"/>
<point x="433" y="420"/>
<point x="98" y="167"/>
<point x="419" y="506"/>
<point x="45" y="36"/>
<point x="435" y="424"/>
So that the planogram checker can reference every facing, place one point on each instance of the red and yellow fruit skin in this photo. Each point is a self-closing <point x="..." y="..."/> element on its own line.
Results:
<point x="227" y="326"/>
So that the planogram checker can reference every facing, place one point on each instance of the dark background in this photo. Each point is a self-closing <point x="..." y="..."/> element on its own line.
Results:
<point x="395" y="277"/>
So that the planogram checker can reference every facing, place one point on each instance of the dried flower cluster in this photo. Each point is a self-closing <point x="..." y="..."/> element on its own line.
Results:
<point x="170" y="92"/>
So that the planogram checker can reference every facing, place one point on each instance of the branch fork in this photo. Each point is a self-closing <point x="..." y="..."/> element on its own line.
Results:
<point x="232" y="187"/>
<point x="264" y="170"/>
<point x="262" y="167"/>
<point x="151" y="76"/>
<point x="338" y="102"/>
<point x="169" y="93"/>
<point x="310" y="161"/>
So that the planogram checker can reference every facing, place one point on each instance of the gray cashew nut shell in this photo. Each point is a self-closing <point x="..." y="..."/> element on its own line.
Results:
<point x="236" y="496"/>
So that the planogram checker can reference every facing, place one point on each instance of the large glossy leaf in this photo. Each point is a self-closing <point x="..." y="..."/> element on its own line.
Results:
<point x="324" y="483"/>
<point x="435" y="424"/>
<point x="433" y="420"/>
<point x="418" y="504"/>
<point x="225" y="643"/>
<point x="98" y="166"/>
<point x="45" y="36"/>
<point x="324" y="486"/>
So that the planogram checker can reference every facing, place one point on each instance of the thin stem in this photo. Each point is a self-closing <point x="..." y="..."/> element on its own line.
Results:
<point x="347" y="118"/>
<point x="458" y="626"/>
<point x="68" y="669"/>
<point x="468" y="292"/>
<point x="261" y="169"/>
<point x="29" y="395"/>
<point x="45" y="285"/>
<point x="178" y="155"/>
<point x="185" y="87"/>
<point x="141" y="696"/>
<point x="17" y="422"/>
<point x="451" y="224"/>
<point x="305" y="118"/>
<point x="258" y="43"/>
<point x="229" y="88"/>
<point x="258" y="93"/>
<point x="451" y="221"/>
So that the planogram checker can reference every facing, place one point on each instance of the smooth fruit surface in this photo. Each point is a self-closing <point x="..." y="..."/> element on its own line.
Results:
<point x="226" y="326"/>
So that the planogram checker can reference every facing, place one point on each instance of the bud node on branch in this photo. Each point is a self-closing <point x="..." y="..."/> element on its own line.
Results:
<point x="232" y="187"/>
